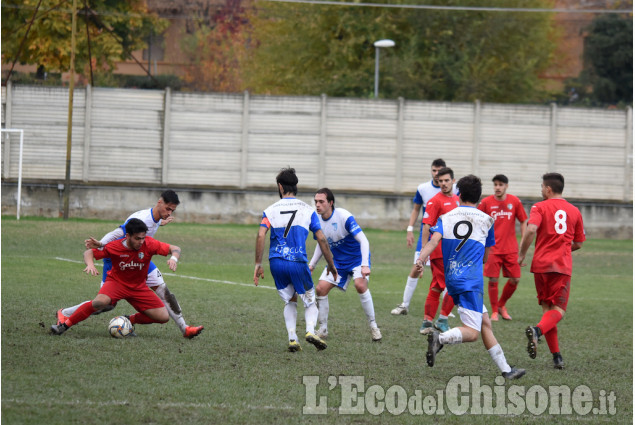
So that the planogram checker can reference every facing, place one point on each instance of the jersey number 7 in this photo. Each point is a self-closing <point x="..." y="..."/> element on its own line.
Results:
<point x="286" y="230"/>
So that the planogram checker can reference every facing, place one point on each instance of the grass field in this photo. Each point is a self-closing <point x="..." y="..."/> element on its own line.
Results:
<point x="238" y="370"/>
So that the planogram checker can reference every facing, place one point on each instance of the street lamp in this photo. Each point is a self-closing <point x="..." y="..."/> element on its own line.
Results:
<point x="378" y="44"/>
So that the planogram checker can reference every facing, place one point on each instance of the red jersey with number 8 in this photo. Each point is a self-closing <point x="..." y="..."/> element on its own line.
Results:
<point x="559" y="224"/>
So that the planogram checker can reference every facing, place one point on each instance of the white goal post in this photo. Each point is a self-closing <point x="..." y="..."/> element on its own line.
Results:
<point x="21" y="131"/>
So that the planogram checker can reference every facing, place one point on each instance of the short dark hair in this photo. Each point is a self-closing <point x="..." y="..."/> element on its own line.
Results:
<point x="501" y="178"/>
<point x="289" y="181"/>
<point x="134" y="225"/>
<point x="555" y="181"/>
<point x="438" y="163"/>
<point x="445" y="170"/>
<point x="470" y="188"/>
<point x="329" y="195"/>
<point x="170" y="197"/>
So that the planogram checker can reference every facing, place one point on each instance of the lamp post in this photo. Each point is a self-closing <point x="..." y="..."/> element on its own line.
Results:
<point x="379" y="44"/>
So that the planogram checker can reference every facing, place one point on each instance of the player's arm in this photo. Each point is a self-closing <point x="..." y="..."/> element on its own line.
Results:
<point x="523" y="228"/>
<point x="175" y="254"/>
<point x="317" y="254"/>
<point x="326" y="251"/>
<point x="260" y="249"/>
<point x="168" y="220"/>
<point x="93" y="243"/>
<point x="525" y="243"/>
<point x="425" y="234"/>
<point x="410" y="237"/>
<point x="364" y="246"/>
<point x="486" y="255"/>
<point x="428" y="248"/>
<point x="575" y="246"/>
<point x="89" y="260"/>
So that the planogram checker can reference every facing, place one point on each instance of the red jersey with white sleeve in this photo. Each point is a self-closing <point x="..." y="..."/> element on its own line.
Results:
<point x="505" y="213"/>
<point x="435" y="208"/>
<point x="559" y="224"/>
<point x="130" y="267"/>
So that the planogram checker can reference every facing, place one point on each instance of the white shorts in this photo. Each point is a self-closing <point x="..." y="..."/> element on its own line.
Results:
<point x="343" y="277"/>
<point x="288" y="292"/>
<point x="472" y="319"/>
<point x="417" y="253"/>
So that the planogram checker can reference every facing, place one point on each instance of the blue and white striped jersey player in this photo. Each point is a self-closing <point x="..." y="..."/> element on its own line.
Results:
<point x="290" y="221"/>
<point x="159" y="215"/>
<point x="425" y="192"/>
<point x="351" y="254"/>
<point x="467" y="234"/>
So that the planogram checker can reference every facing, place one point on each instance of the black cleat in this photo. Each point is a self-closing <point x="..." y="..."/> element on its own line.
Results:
<point x="532" y="333"/>
<point x="59" y="329"/>
<point x="514" y="373"/>
<point x="558" y="363"/>
<point x="434" y="346"/>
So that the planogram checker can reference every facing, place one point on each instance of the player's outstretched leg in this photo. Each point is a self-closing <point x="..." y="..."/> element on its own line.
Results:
<point x="174" y="310"/>
<point x="290" y="319"/>
<point x="367" y="305"/>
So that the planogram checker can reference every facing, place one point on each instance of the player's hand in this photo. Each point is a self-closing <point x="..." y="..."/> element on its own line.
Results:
<point x="332" y="270"/>
<point x="259" y="273"/>
<point x="170" y="219"/>
<point x="91" y="270"/>
<point x="172" y="264"/>
<point x="420" y="264"/>
<point x="92" y="243"/>
<point x="365" y="271"/>
<point x="311" y="268"/>
<point x="410" y="239"/>
<point x="521" y="260"/>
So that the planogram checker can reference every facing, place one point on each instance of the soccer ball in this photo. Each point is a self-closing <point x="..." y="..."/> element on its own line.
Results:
<point x="120" y="327"/>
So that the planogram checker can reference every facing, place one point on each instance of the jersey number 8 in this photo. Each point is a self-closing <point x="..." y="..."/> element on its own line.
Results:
<point x="561" y="222"/>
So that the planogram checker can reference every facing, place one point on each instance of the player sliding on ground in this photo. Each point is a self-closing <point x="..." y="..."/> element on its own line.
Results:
<point x="127" y="280"/>
<point x="467" y="234"/>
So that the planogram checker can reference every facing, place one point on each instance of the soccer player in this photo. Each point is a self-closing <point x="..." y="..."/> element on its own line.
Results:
<point x="505" y="209"/>
<point x="127" y="279"/>
<point x="425" y="192"/>
<point x="442" y="203"/>
<point x="351" y="255"/>
<point x="467" y="234"/>
<point x="159" y="215"/>
<point x="558" y="229"/>
<point x="290" y="221"/>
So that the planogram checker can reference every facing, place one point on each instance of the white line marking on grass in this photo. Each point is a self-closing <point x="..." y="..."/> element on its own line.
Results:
<point x="227" y="282"/>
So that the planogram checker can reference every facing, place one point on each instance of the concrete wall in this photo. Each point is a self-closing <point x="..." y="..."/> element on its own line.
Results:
<point x="602" y="219"/>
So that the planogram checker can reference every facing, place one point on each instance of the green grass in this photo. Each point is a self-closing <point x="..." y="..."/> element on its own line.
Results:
<point x="238" y="371"/>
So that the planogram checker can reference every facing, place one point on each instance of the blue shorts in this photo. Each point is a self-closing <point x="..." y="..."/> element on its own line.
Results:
<point x="287" y="273"/>
<point x="470" y="300"/>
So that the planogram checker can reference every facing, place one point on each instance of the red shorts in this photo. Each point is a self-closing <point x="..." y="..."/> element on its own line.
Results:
<point x="141" y="299"/>
<point x="509" y="263"/>
<point x="553" y="288"/>
<point x="438" y="274"/>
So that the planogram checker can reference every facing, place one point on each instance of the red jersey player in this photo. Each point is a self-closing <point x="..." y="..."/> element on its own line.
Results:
<point x="438" y="205"/>
<point x="558" y="229"/>
<point x="505" y="209"/>
<point x="127" y="279"/>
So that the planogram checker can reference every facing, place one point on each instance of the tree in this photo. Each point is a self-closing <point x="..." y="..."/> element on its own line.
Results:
<point x="439" y="54"/>
<point x="115" y="28"/>
<point x="608" y="57"/>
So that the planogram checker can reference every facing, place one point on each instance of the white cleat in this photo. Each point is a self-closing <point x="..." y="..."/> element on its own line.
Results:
<point x="400" y="309"/>
<point x="376" y="334"/>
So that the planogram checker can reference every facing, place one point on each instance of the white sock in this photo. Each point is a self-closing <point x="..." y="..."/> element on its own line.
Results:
<point x="323" y="311"/>
<point x="290" y="318"/>
<point x="310" y="317"/>
<point x="441" y="316"/>
<point x="453" y="336"/>
<point x="68" y="312"/>
<point x="411" y="285"/>
<point x="499" y="358"/>
<point x="369" y="309"/>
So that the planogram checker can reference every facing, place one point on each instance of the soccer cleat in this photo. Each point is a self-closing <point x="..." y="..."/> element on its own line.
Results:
<point x="426" y="327"/>
<point x="558" y="363"/>
<point x="192" y="331"/>
<point x="322" y="333"/>
<point x="434" y="346"/>
<point x="294" y="346"/>
<point x="514" y="373"/>
<point x="375" y="333"/>
<point x="60" y="317"/>
<point x="442" y="325"/>
<point x="400" y="309"/>
<point x="59" y="329"/>
<point x="315" y="340"/>
<point x="532" y="334"/>
<point x="494" y="317"/>
<point x="504" y="314"/>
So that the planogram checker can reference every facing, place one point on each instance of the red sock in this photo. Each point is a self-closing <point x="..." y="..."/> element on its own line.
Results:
<point x="552" y="340"/>
<point x="492" y="288"/>
<point x="447" y="305"/>
<point x="142" y="319"/>
<point x="549" y="321"/>
<point x="82" y="313"/>
<point x="432" y="305"/>
<point x="508" y="290"/>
